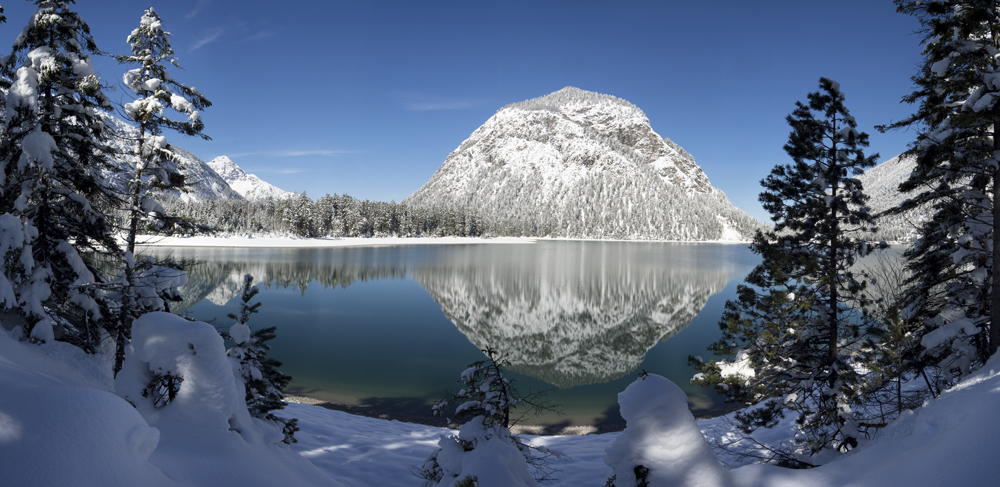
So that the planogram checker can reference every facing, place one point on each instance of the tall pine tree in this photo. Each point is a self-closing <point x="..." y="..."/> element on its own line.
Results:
<point x="791" y="324"/>
<point x="957" y="294"/>
<point x="154" y="168"/>
<point x="53" y="144"/>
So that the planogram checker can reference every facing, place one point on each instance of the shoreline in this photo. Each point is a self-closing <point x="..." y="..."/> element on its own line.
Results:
<point x="538" y="430"/>
<point x="338" y="242"/>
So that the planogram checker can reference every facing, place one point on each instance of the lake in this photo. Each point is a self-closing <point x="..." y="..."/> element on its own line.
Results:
<point x="391" y="328"/>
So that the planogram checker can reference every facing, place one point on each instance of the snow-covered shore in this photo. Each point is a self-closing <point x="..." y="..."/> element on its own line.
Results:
<point x="329" y="242"/>
<point x="950" y="441"/>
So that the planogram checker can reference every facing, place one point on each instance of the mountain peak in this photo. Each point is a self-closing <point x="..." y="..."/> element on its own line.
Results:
<point x="247" y="185"/>
<point x="569" y="97"/>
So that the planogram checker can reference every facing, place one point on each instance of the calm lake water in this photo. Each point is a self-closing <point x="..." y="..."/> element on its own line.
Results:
<point x="393" y="327"/>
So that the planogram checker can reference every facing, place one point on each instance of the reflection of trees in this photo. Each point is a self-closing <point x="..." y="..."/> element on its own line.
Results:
<point x="569" y="313"/>
<point x="216" y="274"/>
<point x="584" y="315"/>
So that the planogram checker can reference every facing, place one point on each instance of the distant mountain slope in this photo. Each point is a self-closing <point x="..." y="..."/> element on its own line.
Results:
<point x="247" y="185"/>
<point x="219" y="178"/>
<point x="581" y="164"/>
<point x="881" y="184"/>
<point x="204" y="183"/>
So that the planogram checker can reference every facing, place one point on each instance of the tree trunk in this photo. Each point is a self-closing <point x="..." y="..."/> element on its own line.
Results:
<point x="832" y="272"/>
<point x="994" y="326"/>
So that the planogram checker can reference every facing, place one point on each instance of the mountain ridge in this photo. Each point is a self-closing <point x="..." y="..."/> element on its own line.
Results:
<point x="249" y="186"/>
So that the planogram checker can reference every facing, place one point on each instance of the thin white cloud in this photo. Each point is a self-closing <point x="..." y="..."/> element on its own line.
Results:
<point x="426" y="106"/>
<point x="264" y="34"/>
<point x="295" y="153"/>
<point x="198" y="7"/>
<point x="212" y="36"/>
<point x="426" y="103"/>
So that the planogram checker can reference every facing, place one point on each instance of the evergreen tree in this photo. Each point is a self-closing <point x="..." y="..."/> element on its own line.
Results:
<point x="260" y="374"/>
<point x="487" y="399"/>
<point x="790" y="328"/>
<point x="154" y="165"/>
<point x="957" y="294"/>
<point x="53" y="144"/>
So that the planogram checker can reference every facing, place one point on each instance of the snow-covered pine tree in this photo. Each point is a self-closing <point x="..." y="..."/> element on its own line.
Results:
<point x="790" y="328"/>
<point x="957" y="294"/>
<point x="53" y="144"/>
<point x="260" y="374"/>
<point x="487" y="399"/>
<point x="155" y="167"/>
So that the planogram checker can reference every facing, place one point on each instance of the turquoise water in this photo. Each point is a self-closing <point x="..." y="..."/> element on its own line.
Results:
<point x="393" y="327"/>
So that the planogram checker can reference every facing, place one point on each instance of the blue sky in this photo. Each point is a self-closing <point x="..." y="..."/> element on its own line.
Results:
<point x="368" y="98"/>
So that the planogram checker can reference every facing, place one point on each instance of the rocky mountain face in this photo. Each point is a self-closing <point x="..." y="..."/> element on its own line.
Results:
<point x="582" y="164"/>
<point x="205" y="181"/>
<point x="881" y="184"/>
<point x="247" y="185"/>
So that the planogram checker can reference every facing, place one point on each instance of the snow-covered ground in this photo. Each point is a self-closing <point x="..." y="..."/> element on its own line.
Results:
<point x="63" y="422"/>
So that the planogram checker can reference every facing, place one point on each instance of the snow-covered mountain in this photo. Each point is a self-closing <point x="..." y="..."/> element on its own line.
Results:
<point x="249" y="186"/>
<point x="581" y="164"/>
<point x="881" y="183"/>
<point x="204" y="183"/>
<point x="219" y="178"/>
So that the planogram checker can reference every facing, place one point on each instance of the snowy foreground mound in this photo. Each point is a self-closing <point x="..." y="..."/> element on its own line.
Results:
<point x="63" y="422"/>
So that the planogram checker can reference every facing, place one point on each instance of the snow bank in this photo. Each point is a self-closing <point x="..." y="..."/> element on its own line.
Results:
<point x="60" y="425"/>
<point x="207" y="436"/>
<point x="949" y="441"/>
<point x="61" y="422"/>
<point x="662" y="436"/>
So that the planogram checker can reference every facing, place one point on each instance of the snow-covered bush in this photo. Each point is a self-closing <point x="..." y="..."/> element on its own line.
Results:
<point x="484" y="448"/>
<point x="259" y="373"/>
<point x="488" y="452"/>
<point x="207" y="436"/>
<point x="486" y="393"/>
<point x="146" y="286"/>
<point x="661" y="442"/>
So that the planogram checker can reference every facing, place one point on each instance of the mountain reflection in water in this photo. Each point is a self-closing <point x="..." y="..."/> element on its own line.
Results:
<point x="569" y="313"/>
<point x="583" y="315"/>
